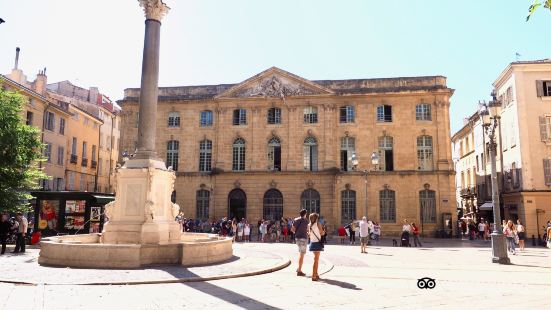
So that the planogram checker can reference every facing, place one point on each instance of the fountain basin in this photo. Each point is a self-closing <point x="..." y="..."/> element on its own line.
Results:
<point x="87" y="251"/>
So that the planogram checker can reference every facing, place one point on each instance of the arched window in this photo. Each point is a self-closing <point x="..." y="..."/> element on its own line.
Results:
<point x="424" y="152"/>
<point x="238" y="163"/>
<point x="274" y="154"/>
<point x="348" y="147"/>
<point x="172" y="154"/>
<point x="386" y="153"/>
<point x="203" y="200"/>
<point x="387" y="203"/>
<point x="274" y="116"/>
<point x="273" y="205"/>
<point x="310" y="154"/>
<point x="205" y="118"/>
<point x="427" y="201"/>
<point x="205" y="155"/>
<point x="348" y="206"/>
<point x="310" y="200"/>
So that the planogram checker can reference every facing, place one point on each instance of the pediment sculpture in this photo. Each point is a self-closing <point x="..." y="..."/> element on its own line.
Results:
<point x="274" y="86"/>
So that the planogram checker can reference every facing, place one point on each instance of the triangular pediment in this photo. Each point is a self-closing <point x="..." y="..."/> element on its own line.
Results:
<point x="276" y="83"/>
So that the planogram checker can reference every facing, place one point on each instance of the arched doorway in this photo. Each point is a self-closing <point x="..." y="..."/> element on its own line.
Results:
<point x="237" y="204"/>
<point x="273" y="205"/>
<point x="310" y="200"/>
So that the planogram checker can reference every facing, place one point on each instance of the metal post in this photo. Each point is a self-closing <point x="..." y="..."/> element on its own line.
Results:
<point x="365" y="194"/>
<point x="499" y="249"/>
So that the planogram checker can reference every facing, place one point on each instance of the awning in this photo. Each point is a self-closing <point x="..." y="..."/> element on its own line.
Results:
<point x="103" y="199"/>
<point x="487" y="206"/>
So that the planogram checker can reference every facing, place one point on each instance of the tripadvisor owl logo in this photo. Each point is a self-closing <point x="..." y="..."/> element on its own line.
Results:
<point x="426" y="282"/>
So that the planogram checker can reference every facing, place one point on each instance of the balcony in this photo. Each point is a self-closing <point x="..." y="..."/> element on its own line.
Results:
<point x="74" y="159"/>
<point x="84" y="162"/>
<point x="93" y="164"/>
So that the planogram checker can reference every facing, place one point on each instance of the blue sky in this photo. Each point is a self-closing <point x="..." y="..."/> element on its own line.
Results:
<point x="99" y="43"/>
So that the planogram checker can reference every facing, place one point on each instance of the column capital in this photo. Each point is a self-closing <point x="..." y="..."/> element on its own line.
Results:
<point x="154" y="9"/>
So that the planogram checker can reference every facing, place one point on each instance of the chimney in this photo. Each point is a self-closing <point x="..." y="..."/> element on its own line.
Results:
<point x="17" y="49"/>
<point x="16" y="74"/>
<point x="39" y="84"/>
<point x="93" y="94"/>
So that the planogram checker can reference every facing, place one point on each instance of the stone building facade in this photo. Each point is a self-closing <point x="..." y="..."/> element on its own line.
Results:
<point x="276" y="143"/>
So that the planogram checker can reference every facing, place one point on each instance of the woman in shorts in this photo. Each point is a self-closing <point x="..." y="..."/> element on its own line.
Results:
<point x="315" y="231"/>
<point x="521" y="233"/>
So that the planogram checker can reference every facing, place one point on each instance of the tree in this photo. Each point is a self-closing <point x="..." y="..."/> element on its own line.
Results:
<point x="20" y="151"/>
<point x="536" y="5"/>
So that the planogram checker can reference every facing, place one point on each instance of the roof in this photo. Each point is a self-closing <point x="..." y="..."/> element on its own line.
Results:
<point x="327" y="87"/>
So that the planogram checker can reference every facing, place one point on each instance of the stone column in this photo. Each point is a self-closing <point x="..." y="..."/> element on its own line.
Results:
<point x="146" y="155"/>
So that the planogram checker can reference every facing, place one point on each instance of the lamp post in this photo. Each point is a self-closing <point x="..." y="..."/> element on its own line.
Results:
<point x="490" y="116"/>
<point x="374" y="162"/>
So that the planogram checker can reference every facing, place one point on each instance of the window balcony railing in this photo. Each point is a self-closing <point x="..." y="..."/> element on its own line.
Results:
<point x="84" y="162"/>
<point x="93" y="164"/>
<point x="74" y="159"/>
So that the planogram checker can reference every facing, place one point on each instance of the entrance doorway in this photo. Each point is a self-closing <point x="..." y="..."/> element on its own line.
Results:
<point x="237" y="204"/>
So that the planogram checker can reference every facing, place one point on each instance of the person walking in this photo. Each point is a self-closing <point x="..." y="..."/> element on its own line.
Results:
<point x="240" y="231"/>
<point x="521" y="233"/>
<point x="247" y="231"/>
<point x="510" y="233"/>
<point x="5" y="227"/>
<point x="415" y="232"/>
<point x="315" y="230"/>
<point x="352" y="232"/>
<point x="21" y="232"/>
<point x="300" y="230"/>
<point x="486" y="231"/>
<point x="342" y="234"/>
<point x="376" y="232"/>
<point x="364" y="234"/>
<point x="406" y="232"/>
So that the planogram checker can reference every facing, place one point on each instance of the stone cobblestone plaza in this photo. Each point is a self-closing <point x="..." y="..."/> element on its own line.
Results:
<point x="183" y="190"/>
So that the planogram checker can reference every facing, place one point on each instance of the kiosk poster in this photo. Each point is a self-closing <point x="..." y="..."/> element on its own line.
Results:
<point x="49" y="214"/>
<point x="75" y="206"/>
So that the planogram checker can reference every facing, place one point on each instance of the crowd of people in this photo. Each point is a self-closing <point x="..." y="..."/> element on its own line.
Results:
<point x="16" y="228"/>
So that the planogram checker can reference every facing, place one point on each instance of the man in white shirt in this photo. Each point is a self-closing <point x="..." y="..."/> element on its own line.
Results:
<point x="21" y="232"/>
<point x="364" y="234"/>
<point x="481" y="228"/>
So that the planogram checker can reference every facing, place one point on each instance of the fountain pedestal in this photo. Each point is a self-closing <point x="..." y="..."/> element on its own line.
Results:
<point x="142" y="212"/>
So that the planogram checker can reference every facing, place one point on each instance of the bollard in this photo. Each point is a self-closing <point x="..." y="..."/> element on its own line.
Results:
<point x="533" y="240"/>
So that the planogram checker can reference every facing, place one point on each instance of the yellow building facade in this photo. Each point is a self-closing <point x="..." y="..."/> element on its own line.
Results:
<point x="276" y="143"/>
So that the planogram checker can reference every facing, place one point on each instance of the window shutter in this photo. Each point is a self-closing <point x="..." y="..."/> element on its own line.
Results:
<point x="543" y="129"/>
<point x="547" y="171"/>
<point x="539" y="88"/>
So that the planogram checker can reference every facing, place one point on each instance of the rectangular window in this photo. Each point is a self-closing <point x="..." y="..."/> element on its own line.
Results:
<point x="100" y="167"/>
<point x="74" y="146"/>
<point x="84" y="155"/>
<point x="238" y="162"/>
<point x="423" y="112"/>
<point x="545" y="128"/>
<point x="547" y="171"/>
<point x="346" y="114"/>
<point x="50" y="121"/>
<point x="48" y="152"/>
<point x="310" y="115"/>
<point x="60" y="155"/>
<point x="239" y="117"/>
<point x="173" y="119"/>
<point x="86" y="121"/>
<point x="274" y="116"/>
<point x="543" y="88"/>
<point x="61" y="126"/>
<point x="173" y="147"/>
<point x="348" y="147"/>
<point x="29" y="118"/>
<point x="206" y="119"/>
<point x="101" y="141"/>
<point x="205" y="155"/>
<point x="71" y="180"/>
<point x="384" y="113"/>
<point x="82" y="184"/>
<point x="93" y="153"/>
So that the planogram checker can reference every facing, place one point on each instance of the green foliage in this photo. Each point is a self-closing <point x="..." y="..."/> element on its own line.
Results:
<point x="536" y="5"/>
<point x="20" y="152"/>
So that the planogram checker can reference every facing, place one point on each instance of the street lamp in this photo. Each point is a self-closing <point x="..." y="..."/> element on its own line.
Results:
<point x="374" y="162"/>
<point x="490" y="115"/>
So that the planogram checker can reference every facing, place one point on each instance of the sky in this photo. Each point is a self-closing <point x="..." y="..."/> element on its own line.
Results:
<point x="99" y="43"/>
